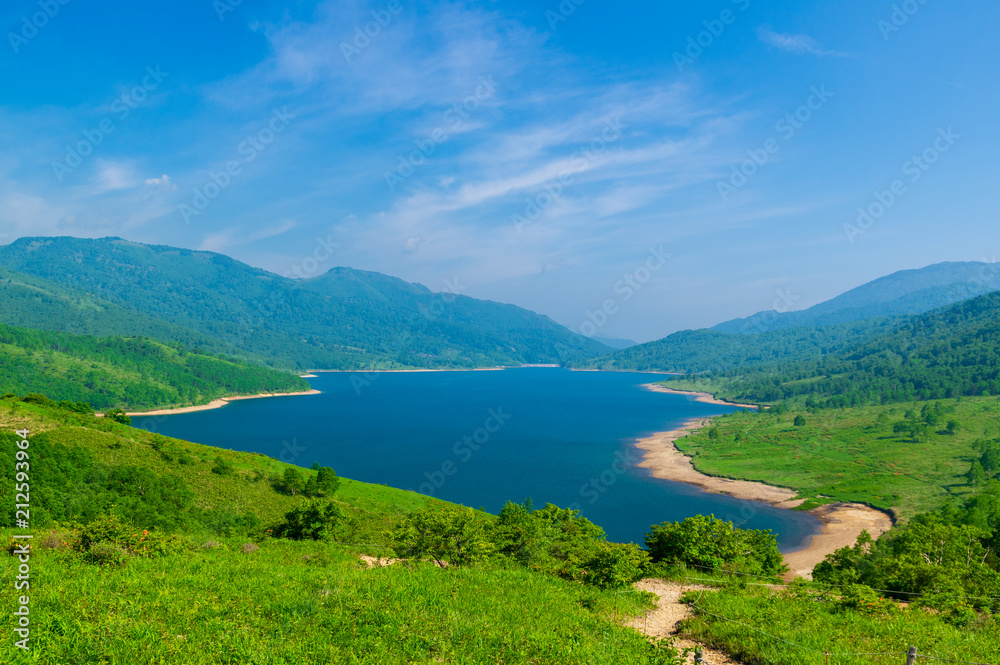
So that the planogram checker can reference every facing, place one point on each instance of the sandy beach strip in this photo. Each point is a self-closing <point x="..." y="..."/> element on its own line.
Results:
<point x="842" y="523"/>
<point x="216" y="404"/>
<point x="698" y="397"/>
<point x="405" y="371"/>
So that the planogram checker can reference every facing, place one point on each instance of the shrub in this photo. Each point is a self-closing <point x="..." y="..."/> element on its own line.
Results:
<point x="312" y="521"/>
<point x="799" y="421"/>
<point x="447" y="534"/>
<point x="712" y="543"/>
<point x="222" y="467"/>
<point x="119" y="416"/>
<point x="616" y="565"/>
<point x="107" y="554"/>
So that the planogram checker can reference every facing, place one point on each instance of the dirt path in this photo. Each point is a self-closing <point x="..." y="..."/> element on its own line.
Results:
<point x="661" y="621"/>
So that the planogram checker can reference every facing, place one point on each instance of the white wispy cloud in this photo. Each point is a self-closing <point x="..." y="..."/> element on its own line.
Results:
<point x="795" y="43"/>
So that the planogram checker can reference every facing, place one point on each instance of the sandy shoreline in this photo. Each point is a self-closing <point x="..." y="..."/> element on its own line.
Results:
<point x="405" y="371"/>
<point x="698" y="397"/>
<point x="216" y="404"/>
<point x="842" y="523"/>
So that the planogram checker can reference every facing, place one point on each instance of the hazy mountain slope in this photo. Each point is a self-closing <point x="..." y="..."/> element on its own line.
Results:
<point x="949" y="352"/>
<point x="697" y="351"/>
<point x="904" y="292"/>
<point x="34" y="302"/>
<point x="344" y="319"/>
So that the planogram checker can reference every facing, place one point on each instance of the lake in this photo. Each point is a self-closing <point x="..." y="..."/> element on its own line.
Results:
<point x="485" y="437"/>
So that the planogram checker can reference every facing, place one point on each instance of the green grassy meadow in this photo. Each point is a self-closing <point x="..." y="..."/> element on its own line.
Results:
<point x="850" y="454"/>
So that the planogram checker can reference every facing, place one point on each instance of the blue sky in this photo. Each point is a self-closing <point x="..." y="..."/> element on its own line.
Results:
<point x="559" y="156"/>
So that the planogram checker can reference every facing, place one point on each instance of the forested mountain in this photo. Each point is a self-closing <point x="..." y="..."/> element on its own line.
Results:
<point x="901" y="293"/>
<point x="949" y="352"/>
<point x="128" y="373"/>
<point x="345" y="319"/>
<point x="698" y="351"/>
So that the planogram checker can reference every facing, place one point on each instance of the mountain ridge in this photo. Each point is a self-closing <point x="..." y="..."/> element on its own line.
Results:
<point x="343" y="319"/>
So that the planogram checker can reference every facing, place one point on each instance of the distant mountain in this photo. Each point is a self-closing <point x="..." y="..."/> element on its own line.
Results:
<point x="901" y="293"/>
<point x="948" y="352"/>
<point x="345" y="319"/>
<point x="700" y="351"/>
<point x="616" y="343"/>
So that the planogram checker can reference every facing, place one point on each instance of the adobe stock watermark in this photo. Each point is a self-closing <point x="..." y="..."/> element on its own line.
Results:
<point x="454" y="119"/>
<point x="696" y="44"/>
<point x="786" y="129"/>
<point x="597" y="486"/>
<point x="914" y="169"/>
<point x="363" y="35"/>
<point x="49" y="9"/>
<point x="900" y="16"/>
<point x="463" y="451"/>
<point x="310" y="264"/>
<point x="626" y="288"/>
<point x="562" y="12"/>
<point x="580" y="161"/>
<point x="122" y="108"/>
<point x="248" y="150"/>
<point x="223" y="7"/>
<point x="782" y="303"/>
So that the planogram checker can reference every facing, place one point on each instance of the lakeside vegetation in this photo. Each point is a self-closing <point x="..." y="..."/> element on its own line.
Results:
<point x="180" y="551"/>
<point x="902" y="458"/>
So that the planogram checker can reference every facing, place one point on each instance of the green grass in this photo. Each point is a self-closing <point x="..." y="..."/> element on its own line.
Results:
<point x="849" y="454"/>
<point x="762" y="625"/>
<point x="312" y="603"/>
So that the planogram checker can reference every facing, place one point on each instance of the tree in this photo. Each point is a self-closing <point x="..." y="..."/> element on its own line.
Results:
<point x="293" y="481"/>
<point x="312" y="521"/>
<point x="119" y="416"/>
<point x="453" y="535"/>
<point x="327" y="480"/>
<point x="616" y="565"/>
<point x="976" y="474"/>
<point x="714" y="543"/>
<point x="952" y="427"/>
<point x="799" y="421"/>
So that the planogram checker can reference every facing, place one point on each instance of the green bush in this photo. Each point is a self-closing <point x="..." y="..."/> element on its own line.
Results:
<point x="119" y="416"/>
<point x="616" y="566"/>
<point x="449" y="534"/>
<point x="223" y="467"/>
<point x="712" y="543"/>
<point x="312" y="521"/>
<point x="107" y="554"/>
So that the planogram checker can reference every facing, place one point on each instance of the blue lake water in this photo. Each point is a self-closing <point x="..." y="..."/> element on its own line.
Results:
<point x="482" y="438"/>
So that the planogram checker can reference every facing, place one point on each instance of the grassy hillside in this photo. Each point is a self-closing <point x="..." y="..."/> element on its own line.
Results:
<point x="342" y="319"/>
<point x="857" y="454"/>
<point x="206" y="583"/>
<point x="117" y="372"/>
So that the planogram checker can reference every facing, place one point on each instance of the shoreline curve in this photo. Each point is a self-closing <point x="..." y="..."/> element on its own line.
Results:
<point x="698" y="397"/>
<point x="841" y="523"/>
<point x="215" y="404"/>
